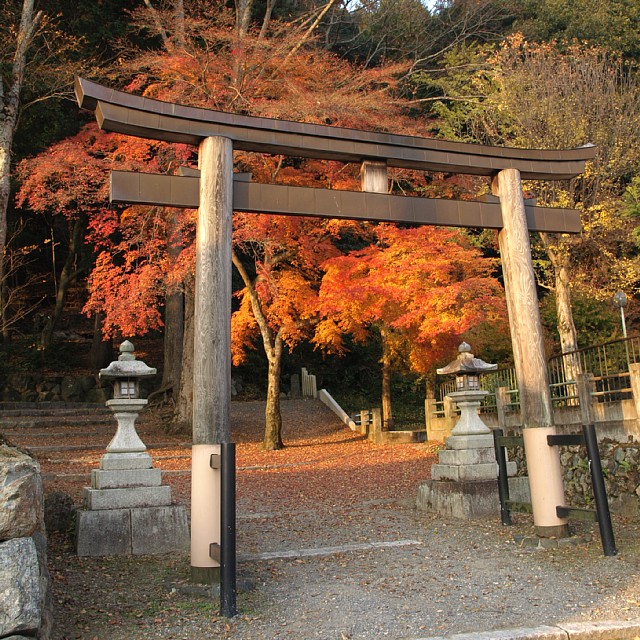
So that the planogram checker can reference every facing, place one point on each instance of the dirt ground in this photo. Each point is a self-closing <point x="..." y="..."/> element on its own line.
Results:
<point x="331" y="547"/>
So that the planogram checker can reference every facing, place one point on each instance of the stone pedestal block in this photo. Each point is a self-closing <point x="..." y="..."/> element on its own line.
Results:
<point x="103" y="533"/>
<point x="459" y="499"/>
<point x="121" y="479"/>
<point x="466" y="456"/>
<point x="98" y="499"/>
<point x="159" y="530"/>
<point x="465" y="472"/>
<point x="140" y="531"/>
<point x="470" y="442"/>
<point x="116" y="461"/>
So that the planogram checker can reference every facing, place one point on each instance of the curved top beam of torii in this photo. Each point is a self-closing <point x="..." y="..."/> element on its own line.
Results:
<point x="147" y="118"/>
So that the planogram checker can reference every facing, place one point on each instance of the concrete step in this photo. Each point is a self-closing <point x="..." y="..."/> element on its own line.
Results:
<point x="35" y="408"/>
<point x="93" y="447"/>
<point x="28" y="424"/>
<point x="32" y="426"/>
<point x="30" y="415"/>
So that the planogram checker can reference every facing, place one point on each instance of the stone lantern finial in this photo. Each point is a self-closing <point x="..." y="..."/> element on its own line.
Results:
<point x="464" y="347"/>
<point x="127" y="351"/>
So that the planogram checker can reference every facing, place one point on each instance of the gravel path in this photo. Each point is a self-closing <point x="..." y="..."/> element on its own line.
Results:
<point x="333" y="548"/>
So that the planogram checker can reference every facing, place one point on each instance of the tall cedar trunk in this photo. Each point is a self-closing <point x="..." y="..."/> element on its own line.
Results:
<point x="6" y="137"/>
<point x="10" y="89"/>
<point x="174" y="308"/>
<point x="387" y="416"/>
<point x="67" y="277"/>
<point x="101" y="353"/>
<point x="178" y="37"/>
<point x="273" y="417"/>
<point x="559" y="258"/>
<point x="173" y="342"/>
<point x="4" y="296"/>
<point x="183" y="413"/>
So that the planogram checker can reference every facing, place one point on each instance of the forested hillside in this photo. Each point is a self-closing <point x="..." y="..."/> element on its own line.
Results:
<point x="79" y="274"/>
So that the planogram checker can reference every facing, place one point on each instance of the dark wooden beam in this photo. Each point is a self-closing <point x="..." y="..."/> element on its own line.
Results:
<point x="142" y="117"/>
<point x="183" y="192"/>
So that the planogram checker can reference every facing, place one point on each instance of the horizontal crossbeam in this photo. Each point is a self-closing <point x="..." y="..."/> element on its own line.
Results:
<point x="568" y="440"/>
<point x="183" y="192"/>
<point x="143" y="117"/>
<point x="588" y="515"/>
<point x="519" y="507"/>
<point x="510" y="441"/>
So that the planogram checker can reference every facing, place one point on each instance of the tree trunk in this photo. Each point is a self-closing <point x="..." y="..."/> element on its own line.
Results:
<point x="10" y="89"/>
<point x="67" y="278"/>
<point x="173" y="341"/>
<point x="273" y="346"/>
<point x="101" y="353"/>
<point x="6" y="138"/>
<point x="173" y="315"/>
<point x="243" y="17"/>
<point x="266" y="20"/>
<point x="183" y="414"/>
<point x="387" y="416"/>
<point x="273" y="418"/>
<point x="179" y="37"/>
<point x="559" y="257"/>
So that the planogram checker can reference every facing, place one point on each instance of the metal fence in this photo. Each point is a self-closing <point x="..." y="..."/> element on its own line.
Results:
<point x="608" y="363"/>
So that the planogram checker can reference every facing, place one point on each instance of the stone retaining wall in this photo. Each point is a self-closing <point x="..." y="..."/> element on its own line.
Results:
<point x="35" y="387"/>
<point x="25" y="596"/>
<point x="620" y="467"/>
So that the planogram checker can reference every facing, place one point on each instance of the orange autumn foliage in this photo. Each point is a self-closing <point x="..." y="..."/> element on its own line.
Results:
<point x="425" y="287"/>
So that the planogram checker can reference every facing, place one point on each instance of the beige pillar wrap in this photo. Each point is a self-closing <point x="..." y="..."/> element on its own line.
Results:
<point x="205" y="504"/>
<point x="547" y="491"/>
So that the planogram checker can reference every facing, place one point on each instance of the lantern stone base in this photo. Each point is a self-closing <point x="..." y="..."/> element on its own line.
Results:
<point x="465" y="500"/>
<point x="464" y="481"/>
<point x="464" y="472"/>
<point x="127" y="460"/>
<point x="128" y="511"/>
<point x="118" y="479"/>
<point x="139" y="531"/>
<point x="126" y="498"/>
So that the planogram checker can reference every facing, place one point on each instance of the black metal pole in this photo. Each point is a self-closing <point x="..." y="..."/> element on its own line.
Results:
<point x="228" y="530"/>
<point x="503" y="479"/>
<point x="599" y="492"/>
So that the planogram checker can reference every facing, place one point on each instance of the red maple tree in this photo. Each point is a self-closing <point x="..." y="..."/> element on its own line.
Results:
<point x="420" y="289"/>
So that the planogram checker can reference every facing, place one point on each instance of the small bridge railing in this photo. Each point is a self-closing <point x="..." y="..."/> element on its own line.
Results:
<point x="608" y="364"/>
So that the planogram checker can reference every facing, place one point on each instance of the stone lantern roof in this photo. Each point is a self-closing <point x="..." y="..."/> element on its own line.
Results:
<point x="466" y="362"/>
<point x="126" y="366"/>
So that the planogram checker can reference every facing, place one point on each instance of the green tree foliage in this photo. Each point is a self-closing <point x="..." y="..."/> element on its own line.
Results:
<point x="614" y="24"/>
<point x="544" y="95"/>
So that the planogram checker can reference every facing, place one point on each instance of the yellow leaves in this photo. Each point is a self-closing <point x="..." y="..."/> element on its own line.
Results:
<point x="243" y="325"/>
<point x="329" y="336"/>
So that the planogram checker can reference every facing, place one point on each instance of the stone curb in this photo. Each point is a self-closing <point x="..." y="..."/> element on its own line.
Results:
<point x="608" y="630"/>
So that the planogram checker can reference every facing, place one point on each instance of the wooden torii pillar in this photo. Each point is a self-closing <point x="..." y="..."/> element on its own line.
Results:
<point x="536" y="407"/>
<point x="212" y="346"/>
<point x="215" y="194"/>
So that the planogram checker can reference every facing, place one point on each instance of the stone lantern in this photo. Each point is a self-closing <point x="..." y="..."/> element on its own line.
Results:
<point x="126" y="373"/>
<point x="127" y="510"/>
<point x="468" y="394"/>
<point x="464" y="481"/>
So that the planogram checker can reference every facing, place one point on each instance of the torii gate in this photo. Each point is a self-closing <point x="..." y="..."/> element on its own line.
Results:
<point x="215" y="193"/>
